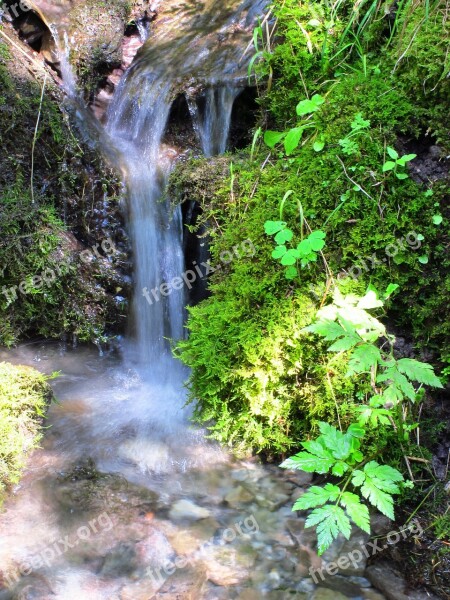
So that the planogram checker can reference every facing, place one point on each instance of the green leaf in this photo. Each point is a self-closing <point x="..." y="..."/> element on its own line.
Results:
<point x="272" y="227"/>
<point x="279" y="252"/>
<point x="284" y="236"/>
<point x="369" y="300"/>
<point x="356" y="431"/>
<point x="304" y="461"/>
<point x="363" y="359"/>
<point x="419" y="371"/>
<point x="381" y="500"/>
<point x="306" y="107"/>
<point x="399" y="381"/>
<point x="423" y="259"/>
<point x="329" y="330"/>
<point x="356" y="510"/>
<point x="392" y="153"/>
<point x="391" y="288"/>
<point x="401" y="175"/>
<point x="437" y="219"/>
<point x="291" y="273"/>
<point x="290" y="257"/>
<point x="319" y="145"/>
<point x="317" y="496"/>
<point x="406" y="158"/>
<point x="272" y="138"/>
<point x="331" y="520"/>
<point x="388" y="166"/>
<point x="359" y="123"/>
<point x="358" y="478"/>
<point x="292" y="140"/>
<point x="345" y="343"/>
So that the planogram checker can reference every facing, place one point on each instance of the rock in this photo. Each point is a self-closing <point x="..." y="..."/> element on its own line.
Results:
<point x="300" y="478"/>
<point x="225" y="566"/>
<point x="238" y="496"/>
<point x="302" y="536"/>
<point x="272" y="502"/>
<point x="185" y="509"/>
<point x="249" y="594"/>
<point x="372" y="594"/>
<point x="297" y="493"/>
<point x="155" y="550"/>
<point x="392" y="585"/>
<point x="327" y="594"/>
<point x="379" y="524"/>
<point x="120" y="561"/>
<point x="341" y="584"/>
<point x="187" y="541"/>
<point x="286" y="595"/>
<point x="354" y="549"/>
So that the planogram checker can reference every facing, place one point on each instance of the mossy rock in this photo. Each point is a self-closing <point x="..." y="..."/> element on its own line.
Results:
<point x="24" y="397"/>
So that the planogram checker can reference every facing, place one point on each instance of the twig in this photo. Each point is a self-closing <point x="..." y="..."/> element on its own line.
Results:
<point x="35" y="137"/>
<point x="352" y="180"/>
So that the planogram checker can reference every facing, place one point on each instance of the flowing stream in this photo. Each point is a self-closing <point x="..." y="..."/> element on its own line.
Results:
<point x="124" y="500"/>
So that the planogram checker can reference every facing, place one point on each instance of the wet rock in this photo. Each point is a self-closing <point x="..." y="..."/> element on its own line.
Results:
<point x="340" y="584"/>
<point x="186" y="584"/>
<point x="272" y="502"/>
<point x="155" y="550"/>
<point x="286" y="595"/>
<point x="187" y="541"/>
<point x="327" y="594"/>
<point x="354" y="550"/>
<point x="33" y="588"/>
<point x="392" y="585"/>
<point x="379" y="524"/>
<point x="300" y="478"/>
<point x="224" y="566"/>
<point x="302" y="536"/>
<point x="238" y="496"/>
<point x="372" y="594"/>
<point x="185" y="509"/>
<point x="120" y="561"/>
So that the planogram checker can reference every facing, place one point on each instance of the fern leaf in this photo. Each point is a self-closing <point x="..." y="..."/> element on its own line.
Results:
<point x="316" y="496"/>
<point x="331" y="520"/>
<point x="381" y="500"/>
<point x="356" y="510"/>
<point x="304" y="461"/>
<point x="419" y="371"/>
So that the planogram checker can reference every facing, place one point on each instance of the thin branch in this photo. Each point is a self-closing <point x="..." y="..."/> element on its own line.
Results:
<point x="35" y="137"/>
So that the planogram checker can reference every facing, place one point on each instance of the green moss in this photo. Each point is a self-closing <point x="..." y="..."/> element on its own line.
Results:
<point x="267" y="384"/>
<point x="24" y="395"/>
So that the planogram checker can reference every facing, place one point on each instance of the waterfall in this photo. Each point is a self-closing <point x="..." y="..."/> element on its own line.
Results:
<point x="212" y="125"/>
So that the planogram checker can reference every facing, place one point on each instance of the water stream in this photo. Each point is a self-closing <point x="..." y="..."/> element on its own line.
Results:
<point x="126" y="501"/>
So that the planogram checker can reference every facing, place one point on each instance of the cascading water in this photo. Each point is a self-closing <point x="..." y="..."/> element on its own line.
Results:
<point x="212" y="125"/>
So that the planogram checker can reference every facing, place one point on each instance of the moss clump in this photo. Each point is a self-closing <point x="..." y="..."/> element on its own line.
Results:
<point x="24" y="395"/>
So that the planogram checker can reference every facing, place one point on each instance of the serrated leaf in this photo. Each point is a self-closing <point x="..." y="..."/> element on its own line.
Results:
<point x="283" y="236"/>
<point x="356" y="510"/>
<point x="358" y="478"/>
<point x="279" y="252"/>
<point x="392" y="152"/>
<point x="304" y="461"/>
<point x="344" y="343"/>
<point x="271" y="227"/>
<point x="292" y="140"/>
<point x="329" y="330"/>
<point x="363" y="359"/>
<point x="359" y="123"/>
<point x="331" y="520"/>
<point x="419" y="371"/>
<point x="340" y="468"/>
<point x="381" y="500"/>
<point x="272" y="138"/>
<point x="399" y="380"/>
<point x="388" y="166"/>
<point x="317" y="496"/>
<point x="369" y="301"/>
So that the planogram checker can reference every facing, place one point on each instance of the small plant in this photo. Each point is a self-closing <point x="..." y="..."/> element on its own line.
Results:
<point x="304" y="253"/>
<point x="348" y="144"/>
<point x="334" y="506"/>
<point x="396" y="162"/>
<point x="293" y="136"/>
<point x="348" y="324"/>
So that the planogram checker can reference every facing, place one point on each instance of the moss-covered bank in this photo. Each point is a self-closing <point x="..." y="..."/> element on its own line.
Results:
<point x="24" y="396"/>
<point x="57" y="199"/>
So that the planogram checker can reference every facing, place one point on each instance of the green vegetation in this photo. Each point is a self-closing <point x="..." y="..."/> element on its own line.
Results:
<point x="24" y="395"/>
<point x="34" y="241"/>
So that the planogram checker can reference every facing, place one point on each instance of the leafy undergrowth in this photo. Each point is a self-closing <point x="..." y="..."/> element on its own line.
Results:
<point x="24" y="396"/>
